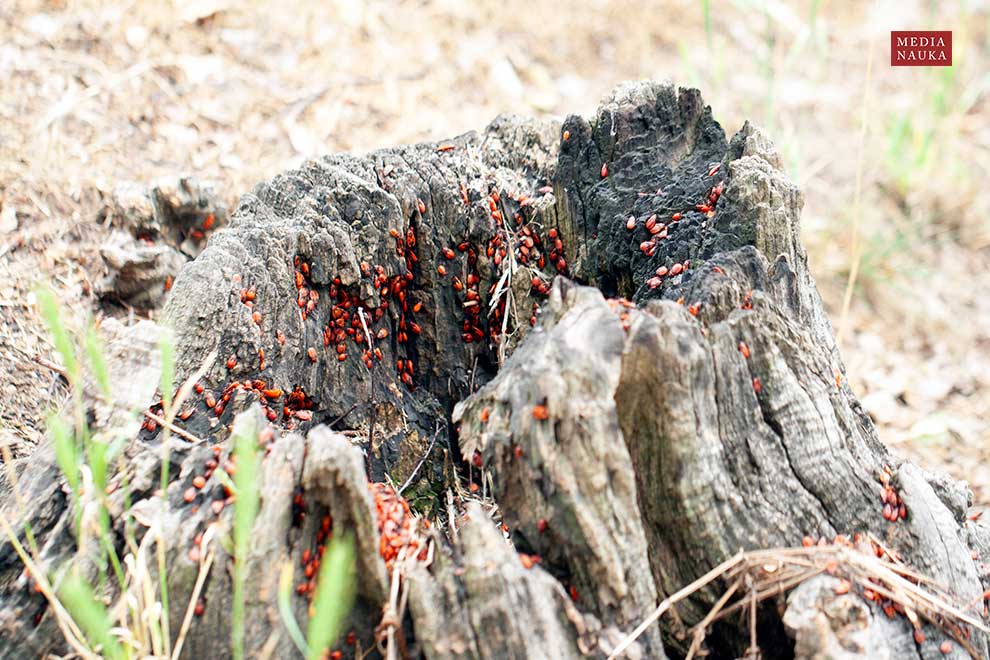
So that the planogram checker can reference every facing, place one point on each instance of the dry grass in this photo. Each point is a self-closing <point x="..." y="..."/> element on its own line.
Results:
<point x="865" y="567"/>
<point x="93" y="92"/>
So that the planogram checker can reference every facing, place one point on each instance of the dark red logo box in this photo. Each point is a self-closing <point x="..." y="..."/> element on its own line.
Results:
<point x="921" y="48"/>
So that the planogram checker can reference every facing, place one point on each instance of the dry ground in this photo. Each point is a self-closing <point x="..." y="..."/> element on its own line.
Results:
<point x="892" y="160"/>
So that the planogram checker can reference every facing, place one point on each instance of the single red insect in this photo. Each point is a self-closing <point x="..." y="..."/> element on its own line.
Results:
<point x="200" y="607"/>
<point x="757" y="386"/>
<point x="421" y="206"/>
<point x="208" y="222"/>
<point x="256" y="317"/>
<point x="744" y="349"/>
<point x="541" y="525"/>
<point x="448" y="253"/>
<point x="445" y="147"/>
<point x="919" y="637"/>
<point x="675" y="217"/>
<point x="540" y="412"/>
<point x="604" y="170"/>
<point x="189" y="495"/>
<point x="311" y="352"/>
<point x="676" y="269"/>
<point x="232" y="362"/>
<point x="945" y="647"/>
<point x="441" y="270"/>
<point x="567" y="136"/>
<point x="631" y="223"/>
<point x="484" y="415"/>
<point x="199" y="481"/>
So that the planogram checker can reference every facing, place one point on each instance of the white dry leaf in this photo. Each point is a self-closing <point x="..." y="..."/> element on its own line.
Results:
<point x="199" y="69"/>
<point x="8" y="219"/>
<point x="45" y="26"/>
<point x="503" y="75"/>
<point x="136" y="36"/>
<point x="304" y="141"/>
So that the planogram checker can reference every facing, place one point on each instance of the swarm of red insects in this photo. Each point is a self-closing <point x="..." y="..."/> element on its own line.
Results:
<point x="396" y="525"/>
<point x="661" y="272"/>
<point x="894" y="508"/>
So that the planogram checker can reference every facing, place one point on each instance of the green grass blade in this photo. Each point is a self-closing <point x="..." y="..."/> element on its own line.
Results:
<point x="66" y="453"/>
<point x="98" y="366"/>
<point x="285" y="609"/>
<point x="335" y="589"/>
<point x="90" y="614"/>
<point x="245" y="510"/>
<point x="167" y="350"/>
<point x="51" y="312"/>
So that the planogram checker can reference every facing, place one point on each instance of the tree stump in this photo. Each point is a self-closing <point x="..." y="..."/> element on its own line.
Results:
<point x="606" y="326"/>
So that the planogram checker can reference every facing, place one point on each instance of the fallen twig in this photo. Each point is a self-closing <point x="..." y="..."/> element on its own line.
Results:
<point x="179" y="431"/>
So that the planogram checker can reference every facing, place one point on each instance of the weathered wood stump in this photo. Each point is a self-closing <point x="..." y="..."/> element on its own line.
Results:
<point x="448" y="313"/>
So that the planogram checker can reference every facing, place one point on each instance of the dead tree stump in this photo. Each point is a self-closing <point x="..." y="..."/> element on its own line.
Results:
<point x="454" y="313"/>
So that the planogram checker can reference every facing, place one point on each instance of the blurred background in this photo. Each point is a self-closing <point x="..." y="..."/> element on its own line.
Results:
<point x="892" y="161"/>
